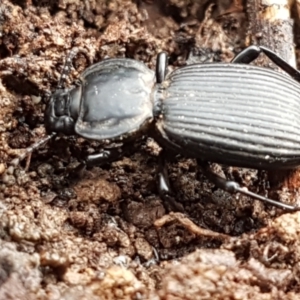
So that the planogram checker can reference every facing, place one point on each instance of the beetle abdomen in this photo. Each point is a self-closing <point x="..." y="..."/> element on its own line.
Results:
<point x="233" y="114"/>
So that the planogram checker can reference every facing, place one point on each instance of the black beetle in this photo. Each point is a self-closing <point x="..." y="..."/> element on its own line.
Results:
<point x="235" y="114"/>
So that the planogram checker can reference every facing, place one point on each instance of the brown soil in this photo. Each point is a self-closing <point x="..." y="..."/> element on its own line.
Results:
<point x="104" y="233"/>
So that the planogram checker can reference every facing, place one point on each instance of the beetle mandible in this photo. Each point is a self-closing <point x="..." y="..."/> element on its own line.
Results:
<point x="230" y="113"/>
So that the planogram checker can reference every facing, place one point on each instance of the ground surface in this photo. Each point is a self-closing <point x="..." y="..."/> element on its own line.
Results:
<point x="103" y="233"/>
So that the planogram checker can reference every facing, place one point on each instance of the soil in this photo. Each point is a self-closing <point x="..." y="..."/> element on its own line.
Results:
<point x="104" y="233"/>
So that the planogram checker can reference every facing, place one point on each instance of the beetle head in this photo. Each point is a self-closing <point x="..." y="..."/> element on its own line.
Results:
<point x="57" y="115"/>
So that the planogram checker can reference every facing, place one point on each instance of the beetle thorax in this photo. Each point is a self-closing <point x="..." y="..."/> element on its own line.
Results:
<point x="116" y="100"/>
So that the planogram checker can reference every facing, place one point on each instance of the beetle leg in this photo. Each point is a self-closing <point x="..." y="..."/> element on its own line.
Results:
<point x="233" y="187"/>
<point x="103" y="157"/>
<point x="252" y="52"/>
<point x="108" y="155"/>
<point x="161" y="66"/>
<point x="164" y="187"/>
<point x="99" y="159"/>
<point x="280" y="62"/>
<point x="248" y="55"/>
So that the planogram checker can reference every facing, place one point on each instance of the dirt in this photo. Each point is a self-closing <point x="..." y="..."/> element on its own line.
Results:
<point x="104" y="233"/>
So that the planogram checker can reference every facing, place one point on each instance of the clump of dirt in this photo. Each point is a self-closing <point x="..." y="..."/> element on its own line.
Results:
<point x="104" y="233"/>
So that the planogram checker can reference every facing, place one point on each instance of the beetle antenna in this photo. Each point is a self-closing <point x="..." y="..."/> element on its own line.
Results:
<point x="31" y="148"/>
<point x="67" y="68"/>
<point x="68" y="64"/>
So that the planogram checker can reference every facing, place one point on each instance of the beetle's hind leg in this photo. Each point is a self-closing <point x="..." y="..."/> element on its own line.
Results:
<point x="233" y="187"/>
<point x="247" y="55"/>
<point x="250" y="53"/>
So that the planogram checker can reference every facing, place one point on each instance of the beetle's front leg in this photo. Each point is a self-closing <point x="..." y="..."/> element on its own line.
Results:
<point x="250" y="53"/>
<point x="103" y="157"/>
<point x="233" y="187"/>
<point x="164" y="187"/>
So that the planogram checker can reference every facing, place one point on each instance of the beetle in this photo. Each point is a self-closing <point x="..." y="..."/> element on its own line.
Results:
<point x="229" y="113"/>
